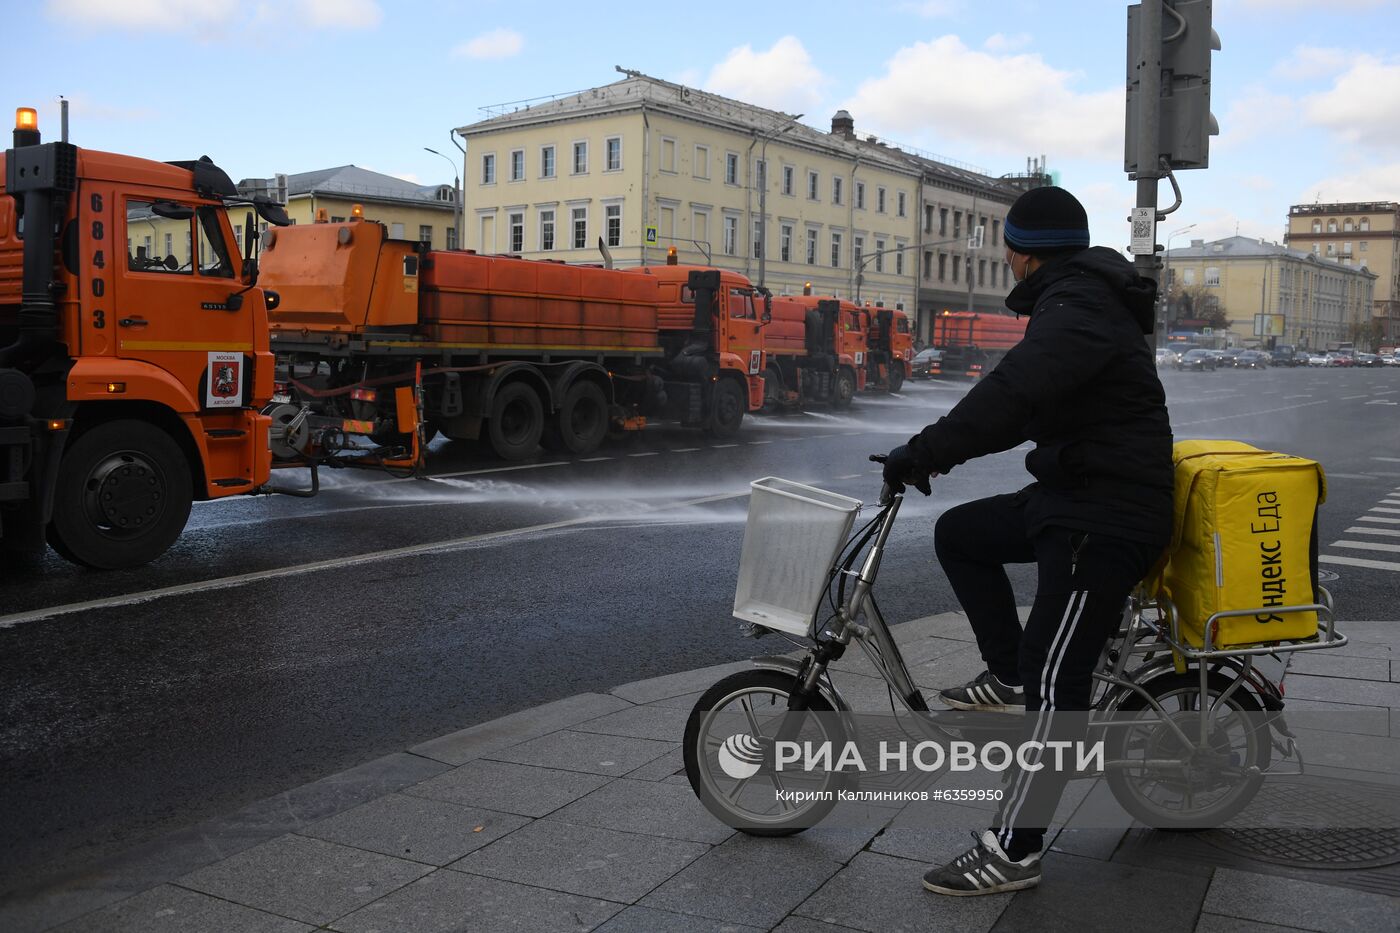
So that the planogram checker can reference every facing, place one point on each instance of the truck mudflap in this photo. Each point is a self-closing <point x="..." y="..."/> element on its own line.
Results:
<point x="755" y="392"/>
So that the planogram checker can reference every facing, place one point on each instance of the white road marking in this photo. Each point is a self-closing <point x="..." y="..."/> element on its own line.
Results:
<point x="1385" y="511"/>
<point x="507" y="469"/>
<point x="1381" y="401"/>
<point x="594" y="459"/>
<point x="1287" y="397"/>
<point x="1387" y="459"/>
<point x="1375" y="518"/>
<point x="1357" y="530"/>
<point x="1246" y="414"/>
<point x="1386" y="392"/>
<point x="756" y="443"/>
<point x="684" y="450"/>
<point x="1368" y="546"/>
<point x="336" y="563"/>
<point x="1348" y="398"/>
<point x="647" y="453"/>
<point x="1358" y="562"/>
<point x="1331" y="475"/>
<point x="1390" y="502"/>
<point x="857" y="476"/>
<point x="722" y="446"/>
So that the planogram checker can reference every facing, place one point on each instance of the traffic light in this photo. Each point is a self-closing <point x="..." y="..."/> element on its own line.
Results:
<point x="1185" y="123"/>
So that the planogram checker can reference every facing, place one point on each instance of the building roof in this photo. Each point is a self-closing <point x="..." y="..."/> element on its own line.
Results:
<point x="353" y="182"/>
<point x="1346" y="207"/>
<point x="1244" y="247"/>
<point x="638" y="90"/>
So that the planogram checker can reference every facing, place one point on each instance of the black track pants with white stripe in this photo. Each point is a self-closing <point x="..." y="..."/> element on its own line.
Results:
<point x="1083" y="581"/>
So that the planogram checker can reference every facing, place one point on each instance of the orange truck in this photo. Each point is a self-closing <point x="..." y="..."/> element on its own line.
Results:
<point x="815" y="351"/>
<point x="376" y="337"/>
<point x="973" y="342"/>
<point x="134" y="354"/>
<point x="891" y="349"/>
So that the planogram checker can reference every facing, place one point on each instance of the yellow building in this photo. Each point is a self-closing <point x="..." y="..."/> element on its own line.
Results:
<point x="426" y="213"/>
<point x="1268" y="293"/>
<point x="1364" y="234"/>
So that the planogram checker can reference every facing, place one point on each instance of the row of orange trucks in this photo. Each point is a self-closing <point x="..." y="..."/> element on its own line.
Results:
<point x="146" y="364"/>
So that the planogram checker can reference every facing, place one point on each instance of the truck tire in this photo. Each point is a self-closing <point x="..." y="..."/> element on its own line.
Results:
<point x="772" y="386"/>
<point x="123" y="496"/>
<point x="845" y="388"/>
<point x="581" y="422"/>
<point x="896" y="375"/>
<point x="516" y="422"/>
<point x="727" y="405"/>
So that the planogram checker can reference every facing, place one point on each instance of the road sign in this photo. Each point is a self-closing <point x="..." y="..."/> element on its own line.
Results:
<point x="1205" y="331"/>
<point x="651" y="235"/>
<point x="975" y="241"/>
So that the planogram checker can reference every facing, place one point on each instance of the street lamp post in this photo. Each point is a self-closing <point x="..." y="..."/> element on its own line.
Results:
<point x="456" y="194"/>
<point x="1167" y="279"/>
<point x="763" y="196"/>
<point x="866" y="260"/>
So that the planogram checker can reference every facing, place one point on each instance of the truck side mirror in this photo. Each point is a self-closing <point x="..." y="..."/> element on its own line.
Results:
<point x="767" y="308"/>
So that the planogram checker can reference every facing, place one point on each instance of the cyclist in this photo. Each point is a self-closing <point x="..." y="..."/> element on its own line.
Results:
<point x="1082" y="385"/>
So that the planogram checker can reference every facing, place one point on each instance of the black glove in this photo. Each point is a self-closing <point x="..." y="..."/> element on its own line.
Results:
<point x="902" y="467"/>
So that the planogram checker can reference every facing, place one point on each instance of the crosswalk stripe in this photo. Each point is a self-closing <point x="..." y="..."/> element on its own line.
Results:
<point x="1386" y="511"/>
<point x="1389" y="532"/>
<point x="1377" y="518"/>
<point x="1358" y="562"/>
<point x="1368" y="546"/>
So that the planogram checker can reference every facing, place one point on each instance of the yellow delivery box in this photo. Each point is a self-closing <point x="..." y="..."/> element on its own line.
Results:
<point x="1244" y="537"/>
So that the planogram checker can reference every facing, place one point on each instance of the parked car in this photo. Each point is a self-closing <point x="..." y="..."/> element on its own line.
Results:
<point x="1167" y="356"/>
<point x="1286" y="356"/>
<point x="1317" y="359"/>
<point x="1366" y="359"/>
<point x="1393" y="360"/>
<point x="1339" y="359"/>
<point x="919" y="367"/>
<point x="1252" y="359"/>
<point x="1198" y="360"/>
<point x="1228" y="356"/>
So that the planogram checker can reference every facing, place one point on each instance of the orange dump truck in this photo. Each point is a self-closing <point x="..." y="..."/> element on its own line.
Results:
<point x="973" y="342"/>
<point x="134" y="358"/>
<point x="890" y="349"/>
<point x="375" y="335"/>
<point x="815" y="350"/>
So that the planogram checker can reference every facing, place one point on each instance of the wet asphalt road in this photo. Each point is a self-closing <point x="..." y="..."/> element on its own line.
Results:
<point x="512" y="587"/>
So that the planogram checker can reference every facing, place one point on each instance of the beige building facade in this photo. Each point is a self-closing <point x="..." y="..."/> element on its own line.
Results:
<point x="1269" y="294"/>
<point x="1360" y="234"/>
<point x="646" y="165"/>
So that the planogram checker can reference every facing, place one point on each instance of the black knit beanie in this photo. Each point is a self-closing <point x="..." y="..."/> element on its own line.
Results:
<point x="1046" y="220"/>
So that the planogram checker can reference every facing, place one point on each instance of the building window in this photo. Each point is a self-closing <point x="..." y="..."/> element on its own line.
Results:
<point x="546" y="231"/>
<point x="899" y="204"/>
<point x="957" y="264"/>
<point x="516" y="223"/>
<point x="612" y="154"/>
<point x="701" y="168"/>
<point x="836" y="251"/>
<point x="731" y="235"/>
<point x="487" y="239"/>
<point x="928" y="218"/>
<point x="612" y="224"/>
<point x="668" y="155"/>
<point x="425" y="234"/>
<point x="1331" y="249"/>
<point x="785" y="243"/>
<point x="731" y="168"/>
<point x="1006" y="275"/>
<point x="1317" y="226"/>
<point x="943" y="221"/>
<point x="857" y="251"/>
<point x="451" y="237"/>
<point x="957" y="225"/>
<point x="488" y="169"/>
<point x="1347" y="225"/>
<point x="899" y="262"/>
<point x="835" y="189"/>
<point x="813" y="181"/>
<point x="942" y="267"/>
<point x="996" y="232"/>
<point x="879" y="200"/>
<point x="1317" y="248"/>
<point x="580" y="157"/>
<point x="517" y="165"/>
<point x="1188" y="277"/>
<point x="667" y="222"/>
<point x="580" y="218"/>
<point x="860" y="195"/>
<point x="928" y="265"/>
<point x="547" y="162"/>
<point x="1331" y="226"/>
<point x="981" y="272"/>
<point x="879" y="255"/>
<point x="787" y="179"/>
<point x="1361" y="246"/>
<point x="757" y="238"/>
<point x="811" y="247"/>
<point x="1365" y="224"/>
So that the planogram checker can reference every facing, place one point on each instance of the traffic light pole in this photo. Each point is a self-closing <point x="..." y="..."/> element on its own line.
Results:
<point x="1148" y="73"/>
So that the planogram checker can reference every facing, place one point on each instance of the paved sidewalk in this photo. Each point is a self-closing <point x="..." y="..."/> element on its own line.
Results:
<point x="577" y="816"/>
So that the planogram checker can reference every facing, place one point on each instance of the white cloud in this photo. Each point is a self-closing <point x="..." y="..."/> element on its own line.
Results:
<point x="1308" y="62"/>
<point x="1332" y="7"/>
<point x="1364" y="183"/>
<point x="933" y="9"/>
<point x="341" y="14"/>
<point x="1007" y="104"/>
<point x="1257" y="112"/>
<point x="1000" y="42"/>
<point x="496" y="44"/>
<point x="166" y="15"/>
<point x="781" y="78"/>
<point x="1363" y="104"/>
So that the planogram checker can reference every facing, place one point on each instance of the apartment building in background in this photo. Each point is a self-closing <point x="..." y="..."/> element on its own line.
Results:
<point x="1269" y="294"/>
<point x="1361" y="234"/>
<point x="645" y="165"/>
<point x="426" y="213"/>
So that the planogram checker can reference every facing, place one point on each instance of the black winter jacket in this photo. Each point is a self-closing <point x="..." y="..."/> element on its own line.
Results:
<point x="1082" y="384"/>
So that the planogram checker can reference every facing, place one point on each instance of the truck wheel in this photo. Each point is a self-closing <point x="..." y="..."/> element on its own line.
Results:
<point x="581" y="422"/>
<point x="845" y="389"/>
<point x="726" y="409"/>
<point x="516" y="423"/>
<point x="896" y="375"/>
<point x="122" y="498"/>
<point x="772" y="385"/>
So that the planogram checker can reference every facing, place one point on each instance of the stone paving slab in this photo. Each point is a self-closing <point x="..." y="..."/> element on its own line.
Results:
<point x="459" y="747"/>
<point x="883" y="894"/>
<point x="1354" y="752"/>
<point x="743" y="886"/>
<point x="650" y="920"/>
<point x="594" y="753"/>
<point x="848" y="829"/>
<point x="306" y="879"/>
<point x="1215" y="923"/>
<point x="797" y="924"/>
<point x="658" y="769"/>
<point x="1079" y="894"/>
<point x="649" y="807"/>
<point x="641" y="722"/>
<point x="683" y="682"/>
<point x="1326" y="664"/>
<point x="1363" y="692"/>
<point x="416" y="828"/>
<point x="170" y="909"/>
<point x="452" y="902"/>
<point x="1301" y="904"/>
<point x="508" y="787"/>
<point x="586" y="860"/>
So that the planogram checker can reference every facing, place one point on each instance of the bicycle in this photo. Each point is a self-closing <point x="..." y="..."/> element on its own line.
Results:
<point x="1189" y="731"/>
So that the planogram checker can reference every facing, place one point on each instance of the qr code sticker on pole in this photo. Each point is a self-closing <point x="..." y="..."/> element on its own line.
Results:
<point x="1144" y="232"/>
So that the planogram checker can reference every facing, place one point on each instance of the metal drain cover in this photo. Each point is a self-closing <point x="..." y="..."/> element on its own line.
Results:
<point x="1365" y="841"/>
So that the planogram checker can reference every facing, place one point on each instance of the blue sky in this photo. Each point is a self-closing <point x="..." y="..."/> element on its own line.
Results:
<point x="1307" y="92"/>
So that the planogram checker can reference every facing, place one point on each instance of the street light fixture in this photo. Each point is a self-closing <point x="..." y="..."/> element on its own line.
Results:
<point x="763" y="196"/>
<point x="456" y="194"/>
<point x="866" y="260"/>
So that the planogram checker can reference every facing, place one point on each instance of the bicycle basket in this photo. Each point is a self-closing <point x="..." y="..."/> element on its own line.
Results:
<point x="793" y="536"/>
